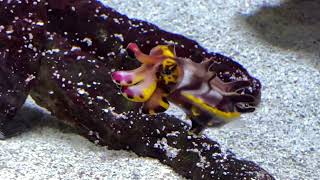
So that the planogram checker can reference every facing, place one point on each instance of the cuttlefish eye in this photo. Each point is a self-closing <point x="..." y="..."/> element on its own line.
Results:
<point x="168" y="66"/>
<point x="169" y="71"/>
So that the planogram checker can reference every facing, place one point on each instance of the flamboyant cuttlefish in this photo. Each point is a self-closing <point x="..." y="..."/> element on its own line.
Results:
<point x="164" y="77"/>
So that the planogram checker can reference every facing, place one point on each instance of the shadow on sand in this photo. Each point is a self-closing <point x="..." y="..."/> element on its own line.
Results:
<point x="293" y="25"/>
<point x="28" y="118"/>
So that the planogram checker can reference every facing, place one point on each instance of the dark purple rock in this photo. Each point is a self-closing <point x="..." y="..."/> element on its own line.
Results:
<point x="21" y="41"/>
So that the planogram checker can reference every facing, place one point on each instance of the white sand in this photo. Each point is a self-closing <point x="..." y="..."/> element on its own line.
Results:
<point x="283" y="135"/>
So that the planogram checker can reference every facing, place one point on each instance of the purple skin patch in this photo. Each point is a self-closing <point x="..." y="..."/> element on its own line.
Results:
<point x="129" y="93"/>
<point x="122" y="78"/>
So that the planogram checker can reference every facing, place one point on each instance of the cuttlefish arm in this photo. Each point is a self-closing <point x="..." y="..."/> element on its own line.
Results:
<point x="157" y="103"/>
<point x="157" y="54"/>
<point x="167" y="73"/>
<point x="144" y="75"/>
<point x="140" y="84"/>
<point x="142" y="91"/>
<point x="128" y="78"/>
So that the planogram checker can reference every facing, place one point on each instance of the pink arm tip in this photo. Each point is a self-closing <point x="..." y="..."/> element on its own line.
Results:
<point x="133" y="47"/>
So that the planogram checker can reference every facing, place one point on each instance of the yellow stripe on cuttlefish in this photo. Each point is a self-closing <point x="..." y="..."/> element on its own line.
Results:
<point x="213" y="110"/>
<point x="164" y="104"/>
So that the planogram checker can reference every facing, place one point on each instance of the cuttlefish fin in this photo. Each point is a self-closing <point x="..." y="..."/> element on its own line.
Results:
<point x="200" y="102"/>
<point x="157" y="103"/>
<point x="236" y="97"/>
<point x="242" y="102"/>
<point x="245" y="107"/>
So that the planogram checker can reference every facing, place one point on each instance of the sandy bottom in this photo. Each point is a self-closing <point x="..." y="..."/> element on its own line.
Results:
<point x="277" y="44"/>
